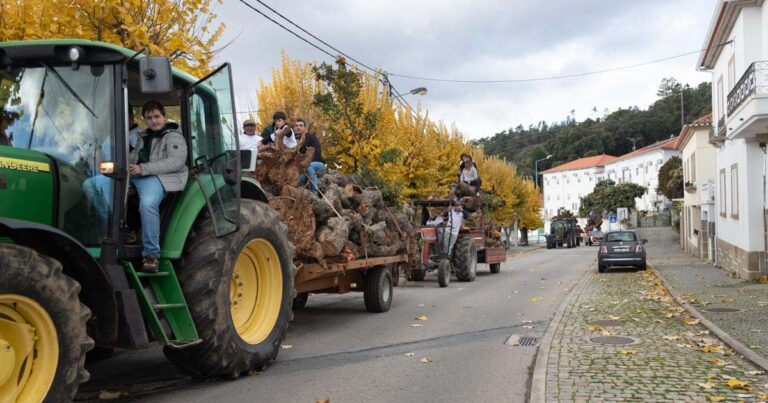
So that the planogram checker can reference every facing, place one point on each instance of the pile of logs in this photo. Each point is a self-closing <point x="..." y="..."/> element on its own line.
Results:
<point x="344" y="221"/>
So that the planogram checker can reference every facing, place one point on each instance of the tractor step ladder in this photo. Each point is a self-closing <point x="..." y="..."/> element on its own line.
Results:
<point x="163" y="305"/>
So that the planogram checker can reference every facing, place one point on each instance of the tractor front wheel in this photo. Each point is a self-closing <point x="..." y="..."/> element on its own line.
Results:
<point x="240" y="292"/>
<point x="43" y="339"/>
<point x="444" y="273"/>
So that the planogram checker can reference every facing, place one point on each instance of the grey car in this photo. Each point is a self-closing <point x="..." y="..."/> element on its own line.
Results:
<point x="621" y="248"/>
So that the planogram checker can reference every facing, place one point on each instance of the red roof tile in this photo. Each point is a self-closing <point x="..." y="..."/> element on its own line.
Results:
<point x="582" y="163"/>
<point x="702" y="122"/>
<point x="665" y="144"/>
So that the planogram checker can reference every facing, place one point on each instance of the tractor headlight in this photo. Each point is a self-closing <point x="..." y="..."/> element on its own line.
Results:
<point x="74" y="53"/>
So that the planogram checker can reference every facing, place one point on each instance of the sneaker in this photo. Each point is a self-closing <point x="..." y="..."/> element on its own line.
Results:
<point x="150" y="264"/>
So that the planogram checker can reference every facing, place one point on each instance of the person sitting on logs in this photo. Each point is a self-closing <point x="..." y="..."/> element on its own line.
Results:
<point x="317" y="167"/>
<point x="469" y="174"/>
<point x="279" y="123"/>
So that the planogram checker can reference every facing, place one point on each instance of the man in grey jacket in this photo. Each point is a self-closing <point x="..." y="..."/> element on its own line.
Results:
<point x="157" y="165"/>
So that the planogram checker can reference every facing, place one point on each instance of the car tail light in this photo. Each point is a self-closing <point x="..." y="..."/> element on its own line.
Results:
<point x="603" y="249"/>
<point x="639" y="248"/>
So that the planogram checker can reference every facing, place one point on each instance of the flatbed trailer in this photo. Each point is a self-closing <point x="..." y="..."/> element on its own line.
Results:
<point x="492" y="256"/>
<point x="376" y="277"/>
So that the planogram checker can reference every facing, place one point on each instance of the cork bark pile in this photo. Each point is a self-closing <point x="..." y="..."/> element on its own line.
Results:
<point x="344" y="221"/>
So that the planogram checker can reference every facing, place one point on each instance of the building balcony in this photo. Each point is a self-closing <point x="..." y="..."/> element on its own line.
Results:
<point x="717" y="138"/>
<point x="747" y="104"/>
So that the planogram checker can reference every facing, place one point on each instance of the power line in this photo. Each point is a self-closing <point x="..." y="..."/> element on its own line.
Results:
<point x="402" y="101"/>
<point x="313" y="36"/>
<point x="522" y="80"/>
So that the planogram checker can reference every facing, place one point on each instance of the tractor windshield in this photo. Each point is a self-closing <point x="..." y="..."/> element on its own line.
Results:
<point x="66" y="113"/>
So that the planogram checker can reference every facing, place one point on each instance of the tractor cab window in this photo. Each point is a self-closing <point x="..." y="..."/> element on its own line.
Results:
<point x="66" y="114"/>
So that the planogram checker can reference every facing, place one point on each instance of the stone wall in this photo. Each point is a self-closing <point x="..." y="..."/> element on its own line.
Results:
<point x="746" y="265"/>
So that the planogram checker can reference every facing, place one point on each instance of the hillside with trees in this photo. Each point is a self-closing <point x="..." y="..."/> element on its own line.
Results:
<point x="613" y="134"/>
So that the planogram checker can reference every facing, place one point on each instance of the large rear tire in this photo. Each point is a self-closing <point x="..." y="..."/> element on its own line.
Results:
<point x="464" y="259"/>
<point x="239" y="289"/>
<point x="43" y="339"/>
<point x="378" y="289"/>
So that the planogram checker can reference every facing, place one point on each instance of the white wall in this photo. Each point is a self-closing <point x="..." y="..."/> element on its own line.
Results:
<point x="566" y="188"/>
<point x="746" y="231"/>
<point x="629" y="170"/>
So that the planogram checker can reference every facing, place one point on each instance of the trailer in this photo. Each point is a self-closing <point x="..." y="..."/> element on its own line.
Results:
<point x="376" y="277"/>
<point x="492" y="256"/>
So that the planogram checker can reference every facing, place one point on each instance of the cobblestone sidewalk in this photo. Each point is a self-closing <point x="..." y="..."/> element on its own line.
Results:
<point x="673" y="358"/>
<point x="709" y="289"/>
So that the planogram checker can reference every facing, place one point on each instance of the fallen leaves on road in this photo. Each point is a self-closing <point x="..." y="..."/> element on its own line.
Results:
<point x="673" y="338"/>
<point x="422" y="317"/>
<point x="410" y="354"/>
<point x="425" y="360"/>
<point x="708" y="385"/>
<point x="614" y="317"/>
<point x="691" y="321"/>
<point x="534" y="299"/>
<point x="326" y="400"/>
<point x="594" y="328"/>
<point x="286" y="346"/>
<point x="762" y="396"/>
<point x="527" y="327"/>
<point x="416" y="325"/>
<point x="717" y="361"/>
<point x="715" y="398"/>
<point x="737" y="384"/>
<point x="627" y="351"/>
<point x="755" y="372"/>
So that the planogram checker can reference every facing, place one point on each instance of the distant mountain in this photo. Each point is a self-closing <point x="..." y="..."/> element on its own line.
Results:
<point x="612" y="134"/>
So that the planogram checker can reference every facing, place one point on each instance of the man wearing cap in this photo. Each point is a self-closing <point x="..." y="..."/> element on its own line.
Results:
<point x="249" y="140"/>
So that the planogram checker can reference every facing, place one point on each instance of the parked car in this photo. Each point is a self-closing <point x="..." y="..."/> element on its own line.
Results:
<point x="594" y="237"/>
<point x="621" y="248"/>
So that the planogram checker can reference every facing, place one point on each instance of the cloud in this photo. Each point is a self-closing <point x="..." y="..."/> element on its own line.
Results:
<point x="488" y="39"/>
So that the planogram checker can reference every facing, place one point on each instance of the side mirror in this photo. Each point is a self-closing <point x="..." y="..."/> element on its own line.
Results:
<point x="247" y="160"/>
<point x="644" y="241"/>
<point x="155" y="75"/>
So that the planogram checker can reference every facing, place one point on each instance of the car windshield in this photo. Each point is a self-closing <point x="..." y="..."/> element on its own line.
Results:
<point x="621" y="237"/>
<point x="67" y="114"/>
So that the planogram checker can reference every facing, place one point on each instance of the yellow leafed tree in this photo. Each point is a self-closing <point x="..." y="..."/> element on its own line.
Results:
<point x="413" y="154"/>
<point x="185" y="31"/>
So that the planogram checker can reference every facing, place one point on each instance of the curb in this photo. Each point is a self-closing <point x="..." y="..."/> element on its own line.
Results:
<point x="539" y="376"/>
<point x="731" y="341"/>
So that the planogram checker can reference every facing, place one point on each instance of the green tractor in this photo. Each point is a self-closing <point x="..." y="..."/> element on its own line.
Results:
<point x="69" y="279"/>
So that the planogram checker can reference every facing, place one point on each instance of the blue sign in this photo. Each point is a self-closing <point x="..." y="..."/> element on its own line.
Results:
<point x="612" y="219"/>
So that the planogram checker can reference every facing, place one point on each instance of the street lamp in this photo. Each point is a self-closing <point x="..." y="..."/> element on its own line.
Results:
<point x="536" y="170"/>
<point x="417" y="91"/>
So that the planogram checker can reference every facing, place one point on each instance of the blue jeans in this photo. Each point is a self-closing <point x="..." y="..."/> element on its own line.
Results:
<point x="151" y="193"/>
<point x="315" y="169"/>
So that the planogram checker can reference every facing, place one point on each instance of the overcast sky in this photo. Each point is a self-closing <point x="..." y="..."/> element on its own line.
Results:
<point x="486" y="39"/>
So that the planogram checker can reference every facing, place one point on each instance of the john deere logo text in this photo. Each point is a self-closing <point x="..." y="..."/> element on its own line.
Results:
<point x="23" y="165"/>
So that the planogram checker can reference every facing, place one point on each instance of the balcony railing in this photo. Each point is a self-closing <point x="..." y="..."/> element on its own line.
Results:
<point x="754" y="81"/>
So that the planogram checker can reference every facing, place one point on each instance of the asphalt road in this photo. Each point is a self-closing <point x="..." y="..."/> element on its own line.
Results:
<point x="337" y="350"/>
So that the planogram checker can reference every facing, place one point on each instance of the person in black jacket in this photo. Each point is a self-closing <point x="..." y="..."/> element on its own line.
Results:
<point x="317" y="167"/>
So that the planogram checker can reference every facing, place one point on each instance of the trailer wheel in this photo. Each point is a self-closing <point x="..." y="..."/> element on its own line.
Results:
<point x="444" y="273"/>
<point x="43" y="339"/>
<point x="300" y="302"/>
<point x="464" y="259"/>
<point x="239" y="289"/>
<point x="495" y="267"/>
<point x="378" y="289"/>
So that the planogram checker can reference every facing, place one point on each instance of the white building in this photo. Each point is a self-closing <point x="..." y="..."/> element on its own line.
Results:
<point x="698" y="210"/>
<point x="737" y="56"/>
<point x="642" y="167"/>
<point x="565" y="185"/>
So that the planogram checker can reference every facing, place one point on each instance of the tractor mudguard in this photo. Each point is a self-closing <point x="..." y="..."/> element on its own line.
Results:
<point x="187" y="209"/>
<point x="96" y="288"/>
<point x="251" y="189"/>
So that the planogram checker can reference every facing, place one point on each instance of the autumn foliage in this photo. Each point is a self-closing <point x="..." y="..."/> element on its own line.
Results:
<point x="185" y="31"/>
<point x="415" y="155"/>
